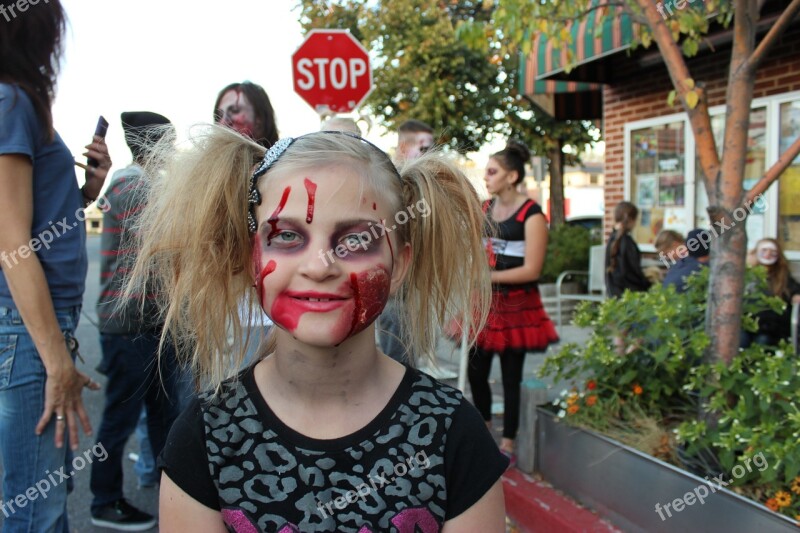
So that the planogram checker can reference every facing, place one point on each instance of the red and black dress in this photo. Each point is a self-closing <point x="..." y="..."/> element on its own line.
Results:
<point x="517" y="321"/>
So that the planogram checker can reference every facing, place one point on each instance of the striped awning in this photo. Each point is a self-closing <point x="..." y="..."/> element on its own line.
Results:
<point x="545" y="60"/>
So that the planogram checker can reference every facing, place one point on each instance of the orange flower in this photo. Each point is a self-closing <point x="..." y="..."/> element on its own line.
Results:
<point x="783" y="498"/>
<point x="572" y="409"/>
<point x="572" y="399"/>
<point x="796" y="485"/>
<point x="591" y="400"/>
<point x="772" y="505"/>
<point x="637" y="389"/>
<point x="591" y="385"/>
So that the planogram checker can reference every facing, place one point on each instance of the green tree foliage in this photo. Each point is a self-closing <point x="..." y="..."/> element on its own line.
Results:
<point x="424" y="68"/>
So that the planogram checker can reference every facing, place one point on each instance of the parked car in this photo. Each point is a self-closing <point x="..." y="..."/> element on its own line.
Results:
<point x="594" y="223"/>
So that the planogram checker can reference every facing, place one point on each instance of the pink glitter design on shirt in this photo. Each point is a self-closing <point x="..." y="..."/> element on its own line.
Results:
<point x="239" y="521"/>
<point x="419" y="520"/>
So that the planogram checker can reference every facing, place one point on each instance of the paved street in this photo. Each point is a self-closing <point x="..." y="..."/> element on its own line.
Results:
<point x="147" y="499"/>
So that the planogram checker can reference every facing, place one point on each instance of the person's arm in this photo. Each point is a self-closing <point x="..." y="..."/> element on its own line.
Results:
<point x="535" y="250"/>
<point x="31" y="294"/>
<point x="179" y="512"/>
<point x="487" y="514"/>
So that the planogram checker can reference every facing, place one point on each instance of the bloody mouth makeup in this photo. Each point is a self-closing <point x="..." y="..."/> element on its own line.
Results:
<point x="357" y="302"/>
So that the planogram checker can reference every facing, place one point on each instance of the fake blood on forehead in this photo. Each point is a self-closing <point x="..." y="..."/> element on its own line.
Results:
<point x="273" y="218"/>
<point x="311" y="189"/>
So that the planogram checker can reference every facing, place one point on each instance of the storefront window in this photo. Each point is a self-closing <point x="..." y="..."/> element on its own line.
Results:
<point x="755" y="166"/>
<point x="789" y="182"/>
<point x="657" y="179"/>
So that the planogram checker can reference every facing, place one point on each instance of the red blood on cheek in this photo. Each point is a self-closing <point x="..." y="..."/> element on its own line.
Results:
<point x="370" y="291"/>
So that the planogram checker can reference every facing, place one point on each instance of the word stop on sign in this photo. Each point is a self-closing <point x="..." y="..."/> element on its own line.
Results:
<point x="317" y="73"/>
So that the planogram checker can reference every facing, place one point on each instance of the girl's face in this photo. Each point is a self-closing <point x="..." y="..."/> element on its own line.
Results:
<point x="497" y="178"/>
<point x="323" y="264"/>
<point x="767" y="253"/>
<point x="236" y="112"/>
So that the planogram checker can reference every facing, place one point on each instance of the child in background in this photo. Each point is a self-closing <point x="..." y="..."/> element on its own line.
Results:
<point x="623" y="260"/>
<point x="325" y="433"/>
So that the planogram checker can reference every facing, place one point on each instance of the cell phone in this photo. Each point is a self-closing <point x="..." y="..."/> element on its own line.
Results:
<point x="99" y="130"/>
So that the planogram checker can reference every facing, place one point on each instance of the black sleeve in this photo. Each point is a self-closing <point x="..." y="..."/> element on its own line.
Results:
<point x="184" y="457"/>
<point x="472" y="460"/>
<point x="634" y="277"/>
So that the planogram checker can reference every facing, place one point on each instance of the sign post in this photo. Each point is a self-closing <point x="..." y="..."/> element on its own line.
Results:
<point x="331" y="71"/>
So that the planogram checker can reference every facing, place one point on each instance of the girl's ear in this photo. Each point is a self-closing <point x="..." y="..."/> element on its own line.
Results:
<point x="402" y="261"/>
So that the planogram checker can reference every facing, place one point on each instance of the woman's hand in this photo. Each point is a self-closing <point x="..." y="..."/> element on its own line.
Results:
<point x="96" y="176"/>
<point x="62" y="398"/>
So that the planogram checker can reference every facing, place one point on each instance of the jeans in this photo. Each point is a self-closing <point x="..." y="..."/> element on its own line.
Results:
<point x="29" y="461"/>
<point x="145" y="466"/>
<point x="134" y="379"/>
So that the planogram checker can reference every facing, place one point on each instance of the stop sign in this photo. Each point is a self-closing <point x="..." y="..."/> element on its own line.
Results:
<point x="331" y="71"/>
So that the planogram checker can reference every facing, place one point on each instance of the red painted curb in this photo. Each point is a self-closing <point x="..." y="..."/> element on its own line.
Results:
<point x="535" y="506"/>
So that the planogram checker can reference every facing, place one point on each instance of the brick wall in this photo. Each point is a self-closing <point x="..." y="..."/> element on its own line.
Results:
<point x="639" y="94"/>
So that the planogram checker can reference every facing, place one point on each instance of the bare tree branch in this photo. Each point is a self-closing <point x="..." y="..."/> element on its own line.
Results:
<point x="774" y="172"/>
<point x="773" y="34"/>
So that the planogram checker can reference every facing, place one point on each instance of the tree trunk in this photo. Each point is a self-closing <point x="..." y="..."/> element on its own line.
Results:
<point x="557" y="214"/>
<point x="726" y="278"/>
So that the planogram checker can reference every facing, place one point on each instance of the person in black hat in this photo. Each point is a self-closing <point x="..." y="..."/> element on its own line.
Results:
<point x="694" y="255"/>
<point x="129" y="335"/>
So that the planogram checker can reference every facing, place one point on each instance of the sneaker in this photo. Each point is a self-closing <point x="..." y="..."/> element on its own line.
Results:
<point x="122" y="516"/>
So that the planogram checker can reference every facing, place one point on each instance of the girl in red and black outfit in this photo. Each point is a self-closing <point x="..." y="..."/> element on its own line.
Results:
<point x="517" y="323"/>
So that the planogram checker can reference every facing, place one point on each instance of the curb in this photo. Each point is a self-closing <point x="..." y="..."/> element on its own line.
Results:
<point x="535" y="506"/>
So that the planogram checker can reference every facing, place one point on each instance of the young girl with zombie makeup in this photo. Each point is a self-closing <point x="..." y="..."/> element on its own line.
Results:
<point x="517" y="323"/>
<point x="772" y="326"/>
<point x="324" y="433"/>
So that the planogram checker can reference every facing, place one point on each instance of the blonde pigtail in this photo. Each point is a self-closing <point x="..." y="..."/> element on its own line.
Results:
<point x="449" y="273"/>
<point x="195" y="249"/>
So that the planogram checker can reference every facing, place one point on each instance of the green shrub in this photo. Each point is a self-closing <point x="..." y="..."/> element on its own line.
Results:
<point x="644" y="366"/>
<point x="567" y="249"/>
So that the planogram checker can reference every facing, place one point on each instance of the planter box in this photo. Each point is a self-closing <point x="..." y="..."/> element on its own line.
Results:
<point x="624" y="485"/>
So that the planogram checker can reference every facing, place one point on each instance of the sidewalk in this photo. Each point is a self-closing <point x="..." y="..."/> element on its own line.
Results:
<point x="532" y="505"/>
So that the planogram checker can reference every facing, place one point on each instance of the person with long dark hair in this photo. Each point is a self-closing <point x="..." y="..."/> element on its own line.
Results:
<point x="44" y="263"/>
<point x="245" y="108"/>
<point x="623" y="259"/>
<point x="772" y="326"/>
<point x="517" y="322"/>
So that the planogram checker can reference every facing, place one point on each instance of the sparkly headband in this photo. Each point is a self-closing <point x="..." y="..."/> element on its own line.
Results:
<point x="271" y="157"/>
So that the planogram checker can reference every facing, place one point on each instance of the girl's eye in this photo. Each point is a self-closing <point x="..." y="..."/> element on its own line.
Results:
<point x="355" y="242"/>
<point x="491" y="171"/>
<point x="284" y="238"/>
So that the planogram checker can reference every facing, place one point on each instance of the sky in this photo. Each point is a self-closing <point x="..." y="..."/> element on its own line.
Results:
<point x="173" y="57"/>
